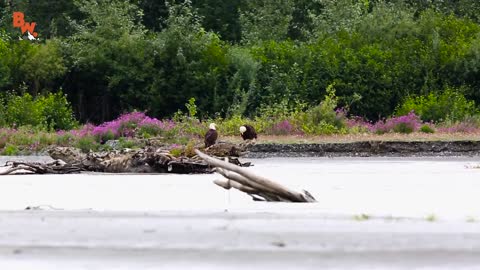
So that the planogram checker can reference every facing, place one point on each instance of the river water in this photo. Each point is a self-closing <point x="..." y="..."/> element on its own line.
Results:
<point x="440" y="188"/>
<point x="372" y="213"/>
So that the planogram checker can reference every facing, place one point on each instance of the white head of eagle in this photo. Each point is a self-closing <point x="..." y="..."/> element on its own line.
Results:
<point x="243" y="129"/>
<point x="248" y="132"/>
<point x="212" y="126"/>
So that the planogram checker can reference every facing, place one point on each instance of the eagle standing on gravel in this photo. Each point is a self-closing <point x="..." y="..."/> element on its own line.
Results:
<point x="211" y="135"/>
<point x="248" y="132"/>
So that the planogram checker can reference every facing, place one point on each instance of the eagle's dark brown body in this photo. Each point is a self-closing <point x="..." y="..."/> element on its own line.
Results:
<point x="249" y="133"/>
<point x="211" y="137"/>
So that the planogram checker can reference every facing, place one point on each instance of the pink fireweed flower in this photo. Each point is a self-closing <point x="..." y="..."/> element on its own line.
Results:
<point x="84" y="131"/>
<point x="284" y="127"/>
<point x="410" y="122"/>
<point x="357" y="121"/>
<point x="463" y="127"/>
<point x="175" y="146"/>
<point x="126" y="125"/>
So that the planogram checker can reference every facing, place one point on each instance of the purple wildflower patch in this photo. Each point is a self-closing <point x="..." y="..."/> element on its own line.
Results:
<point x="284" y="127"/>
<point x="127" y="125"/>
<point x="462" y="127"/>
<point x="402" y="124"/>
<point x="359" y="122"/>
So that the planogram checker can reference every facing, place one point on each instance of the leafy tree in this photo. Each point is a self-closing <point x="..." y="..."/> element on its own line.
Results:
<point x="449" y="104"/>
<point x="302" y="25"/>
<point x="241" y="57"/>
<point x="221" y="17"/>
<point x="15" y="56"/>
<point x="266" y="20"/>
<point x="109" y="57"/>
<point x="191" y="62"/>
<point x="4" y="69"/>
<point x="43" y="64"/>
<point x="242" y="81"/>
<point x="155" y="14"/>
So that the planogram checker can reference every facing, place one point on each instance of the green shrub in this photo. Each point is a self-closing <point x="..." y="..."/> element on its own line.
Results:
<point x="404" y="128"/>
<point x="3" y="141"/>
<point x="106" y="136"/>
<point x="87" y="143"/>
<point x="450" y="104"/>
<point x="323" y="119"/>
<point x="22" y="111"/>
<point x="10" y="150"/>
<point x="65" y="139"/>
<point x="46" y="138"/>
<point x="24" y="135"/>
<point x="325" y="112"/>
<point x="125" y="143"/>
<point x="189" y="127"/>
<point x="56" y="111"/>
<point x="322" y="128"/>
<point x="190" y="149"/>
<point x="176" y="152"/>
<point x="230" y="126"/>
<point x="191" y="107"/>
<point x="49" y="112"/>
<point x="148" y="131"/>
<point x="427" y="129"/>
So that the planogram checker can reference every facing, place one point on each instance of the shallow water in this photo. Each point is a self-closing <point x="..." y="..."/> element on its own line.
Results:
<point x="372" y="213"/>
<point x="440" y="188"/>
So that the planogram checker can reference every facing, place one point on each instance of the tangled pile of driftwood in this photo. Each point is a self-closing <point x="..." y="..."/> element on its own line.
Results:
<point x="146" y="160"/>
<point x="158" y="160"/>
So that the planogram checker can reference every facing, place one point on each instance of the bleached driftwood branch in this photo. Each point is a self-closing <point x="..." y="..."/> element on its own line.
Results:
<point x="259" y="187"/>
<point x="55" y="167"/>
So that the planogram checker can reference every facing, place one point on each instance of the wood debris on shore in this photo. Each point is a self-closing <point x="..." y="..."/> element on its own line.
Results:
<point x="146" y="160"/>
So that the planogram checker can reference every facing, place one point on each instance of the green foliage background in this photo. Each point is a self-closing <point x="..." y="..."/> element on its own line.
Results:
<point x="241" y="58"/>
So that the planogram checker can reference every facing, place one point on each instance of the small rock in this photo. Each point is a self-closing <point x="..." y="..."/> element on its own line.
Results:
<point x="278" y="244"/>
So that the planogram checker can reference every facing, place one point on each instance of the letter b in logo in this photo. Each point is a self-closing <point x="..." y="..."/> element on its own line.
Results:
<point x="18" y="19"/>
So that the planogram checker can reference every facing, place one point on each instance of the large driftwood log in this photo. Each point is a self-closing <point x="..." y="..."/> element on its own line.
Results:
<point x="259" y="187"/>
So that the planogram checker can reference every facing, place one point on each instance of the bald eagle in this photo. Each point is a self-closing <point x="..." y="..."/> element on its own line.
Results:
<point x="211" y="136"/>
<point x="248" y="132"/>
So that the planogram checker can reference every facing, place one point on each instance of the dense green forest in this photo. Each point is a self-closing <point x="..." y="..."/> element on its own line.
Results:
<point x="240" y="57"/>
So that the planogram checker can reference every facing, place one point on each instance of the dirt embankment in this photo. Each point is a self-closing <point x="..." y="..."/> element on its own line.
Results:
<point x="367" y="149"/>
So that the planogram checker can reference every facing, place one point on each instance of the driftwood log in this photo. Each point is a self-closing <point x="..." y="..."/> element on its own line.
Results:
<point x="258" y="187"/>
<point x="226" y="149"/>
<point x="55" y="167"/>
